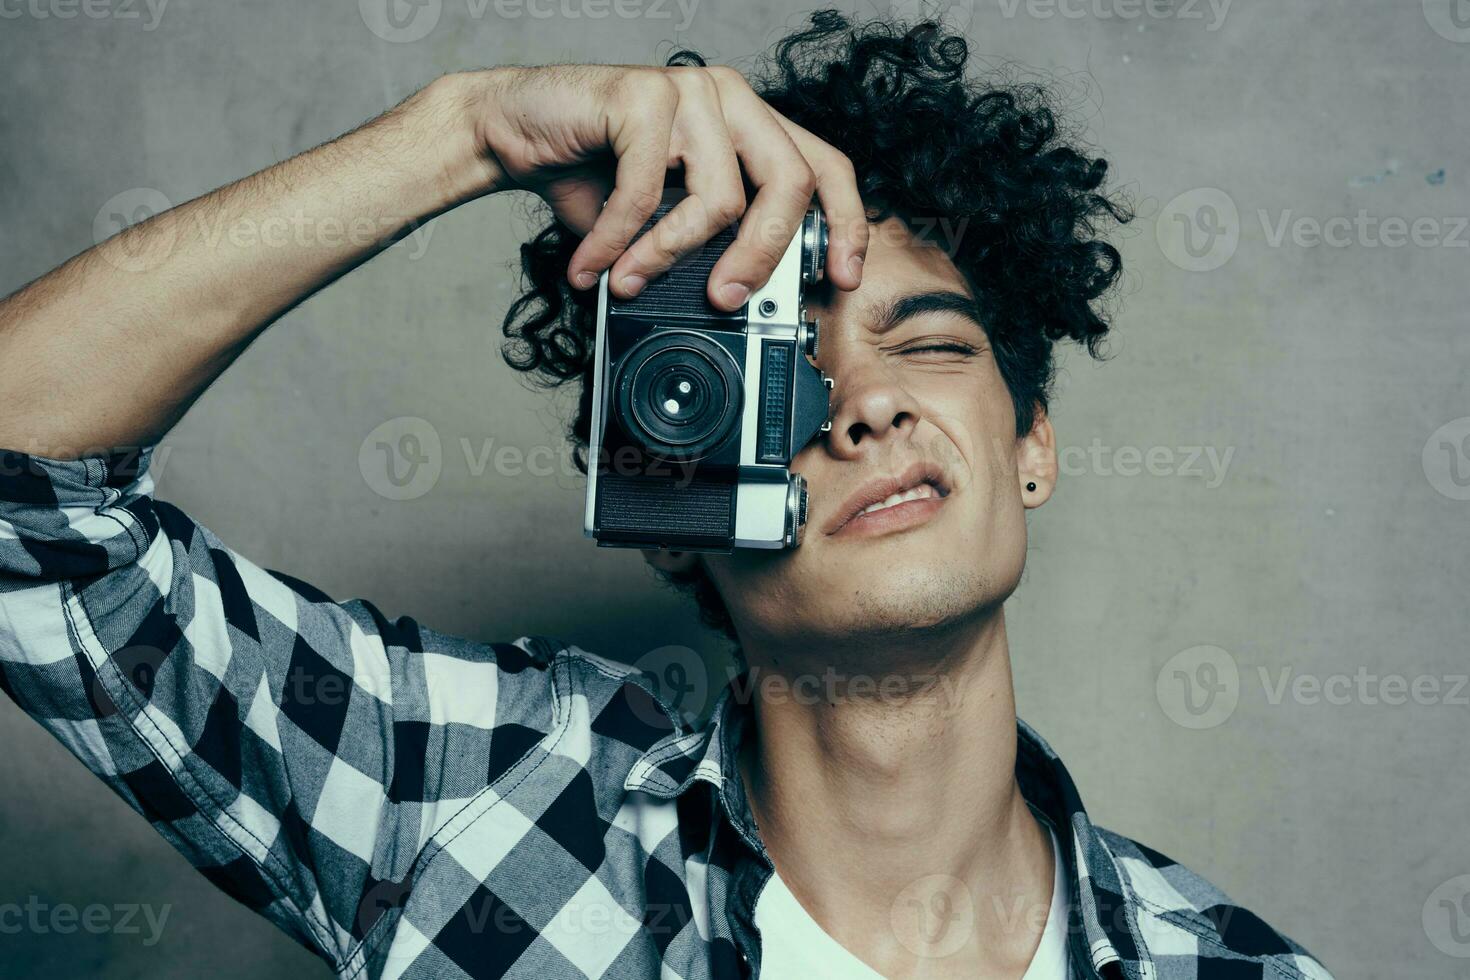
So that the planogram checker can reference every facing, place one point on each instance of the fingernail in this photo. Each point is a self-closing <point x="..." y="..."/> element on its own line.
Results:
<point x="855" y="266"/>
<point x="585" y="279"/>
<point x="633" y="283"/>
<point x="734" y="293"/>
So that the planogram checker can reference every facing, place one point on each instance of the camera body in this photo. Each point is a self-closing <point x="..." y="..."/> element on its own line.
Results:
<point x="697" y="412"/>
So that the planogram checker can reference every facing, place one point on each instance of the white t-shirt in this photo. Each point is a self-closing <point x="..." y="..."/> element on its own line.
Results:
<point x="794" y="947"/>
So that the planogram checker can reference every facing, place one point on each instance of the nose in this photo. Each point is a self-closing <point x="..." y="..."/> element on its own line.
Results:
<point x="870" y="406"/>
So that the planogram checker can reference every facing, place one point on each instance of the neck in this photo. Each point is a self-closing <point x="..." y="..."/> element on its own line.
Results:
<point x="894" y="775"/>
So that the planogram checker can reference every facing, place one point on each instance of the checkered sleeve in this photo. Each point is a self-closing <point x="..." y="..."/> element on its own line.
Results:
<point x="298" y="751"/>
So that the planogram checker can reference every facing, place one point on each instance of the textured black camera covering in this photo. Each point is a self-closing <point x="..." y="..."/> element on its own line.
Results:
<point x="680" y="292"/>
<point x="644" y="510"/>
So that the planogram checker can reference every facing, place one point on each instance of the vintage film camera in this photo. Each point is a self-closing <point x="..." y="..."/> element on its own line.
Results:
<point x="696" y="413"/>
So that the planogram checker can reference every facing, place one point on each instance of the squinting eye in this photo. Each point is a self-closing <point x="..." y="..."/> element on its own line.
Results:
<point x="939" y="348"/>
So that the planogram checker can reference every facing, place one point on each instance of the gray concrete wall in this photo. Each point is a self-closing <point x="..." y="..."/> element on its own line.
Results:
<point x="1262" y="522"/>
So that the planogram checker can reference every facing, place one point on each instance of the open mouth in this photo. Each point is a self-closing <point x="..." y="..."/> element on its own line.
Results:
<point x="921" y="492"/>
<point x="887" y="502"/>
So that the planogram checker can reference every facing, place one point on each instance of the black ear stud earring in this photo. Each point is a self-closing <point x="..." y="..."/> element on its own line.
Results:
<point x="1031" y="487"/>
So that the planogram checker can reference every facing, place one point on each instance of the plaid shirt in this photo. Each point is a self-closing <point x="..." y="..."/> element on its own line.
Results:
<point x="408" y="804"/>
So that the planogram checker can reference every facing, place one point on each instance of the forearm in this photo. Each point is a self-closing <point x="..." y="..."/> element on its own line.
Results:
<point x="111" y="348"/>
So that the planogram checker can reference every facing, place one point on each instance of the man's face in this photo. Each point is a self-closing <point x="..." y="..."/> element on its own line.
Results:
<point x="918" y="401"/>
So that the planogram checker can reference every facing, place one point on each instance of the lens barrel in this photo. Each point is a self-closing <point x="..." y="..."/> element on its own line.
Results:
<point x="796" y="502"/>
<point x="813" y="246"/>
<point x="678" y="394"/>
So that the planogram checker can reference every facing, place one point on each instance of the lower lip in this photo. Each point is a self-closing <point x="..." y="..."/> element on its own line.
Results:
<point x="899" y="517"/>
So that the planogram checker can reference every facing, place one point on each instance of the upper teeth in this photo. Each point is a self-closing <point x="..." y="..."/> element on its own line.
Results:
<point x="916" y="493"/>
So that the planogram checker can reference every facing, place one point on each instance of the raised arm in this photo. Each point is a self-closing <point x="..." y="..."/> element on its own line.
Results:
<point x="110" y="349"/>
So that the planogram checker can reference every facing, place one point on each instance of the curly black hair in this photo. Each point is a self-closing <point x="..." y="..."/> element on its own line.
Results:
<point x="927" y="141"/>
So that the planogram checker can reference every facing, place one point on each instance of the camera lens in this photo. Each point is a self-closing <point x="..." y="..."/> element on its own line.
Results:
<point x="678" y="394"/>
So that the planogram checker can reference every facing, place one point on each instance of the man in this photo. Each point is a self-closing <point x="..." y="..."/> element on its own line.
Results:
<point x="410" y="804"/>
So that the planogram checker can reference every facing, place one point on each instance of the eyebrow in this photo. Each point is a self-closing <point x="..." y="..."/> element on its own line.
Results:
<point x="933" y="301"/>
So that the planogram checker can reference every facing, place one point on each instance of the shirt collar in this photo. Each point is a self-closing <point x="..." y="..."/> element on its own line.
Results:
<point x="1103" y="923"/>
<point x="710" y="754"/>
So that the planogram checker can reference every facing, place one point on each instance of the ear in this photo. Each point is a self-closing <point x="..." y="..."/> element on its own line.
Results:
<point x="676" y="562"/>
<point x="1036" y="461"/>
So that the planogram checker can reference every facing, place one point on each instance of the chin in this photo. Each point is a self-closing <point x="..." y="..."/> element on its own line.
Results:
<point x="861" y="600"/>
<point x="896" y="603"/>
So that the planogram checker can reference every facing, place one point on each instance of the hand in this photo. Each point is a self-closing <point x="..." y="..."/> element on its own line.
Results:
<point x="579" y="135"/>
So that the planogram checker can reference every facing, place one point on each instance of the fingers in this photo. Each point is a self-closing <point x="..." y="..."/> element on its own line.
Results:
<point x="786" y="175"/>
<point x="710" y="123"/>
<point x="784" y="184"/>
<point x="842" y="205"/>
<point x="715" y="198"/>
<point x="641" y="118"/>
<point x="578" y="202"/>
